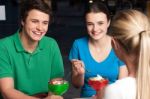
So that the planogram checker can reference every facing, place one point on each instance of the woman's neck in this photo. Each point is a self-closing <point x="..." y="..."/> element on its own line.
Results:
<point x="131" y="64"/>
<point x="102" y="43"/>
<point x="100" y="50"/>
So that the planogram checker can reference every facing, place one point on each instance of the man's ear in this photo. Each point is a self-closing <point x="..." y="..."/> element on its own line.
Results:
<point x="22" y="22"/>
<point x="108" y="23"/>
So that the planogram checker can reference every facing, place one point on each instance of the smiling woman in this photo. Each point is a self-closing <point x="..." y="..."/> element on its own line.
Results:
<point x="94" y="52"/>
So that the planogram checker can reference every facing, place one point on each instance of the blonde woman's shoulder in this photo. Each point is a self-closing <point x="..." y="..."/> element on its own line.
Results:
<point x="122" y="89"/>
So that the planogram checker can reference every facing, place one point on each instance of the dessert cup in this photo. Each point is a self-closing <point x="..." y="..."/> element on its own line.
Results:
<point x="98" y="83"/>
<point x="58" y="86"/>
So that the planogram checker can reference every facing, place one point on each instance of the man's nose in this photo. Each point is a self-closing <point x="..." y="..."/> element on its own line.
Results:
<point x="39" y="26"/>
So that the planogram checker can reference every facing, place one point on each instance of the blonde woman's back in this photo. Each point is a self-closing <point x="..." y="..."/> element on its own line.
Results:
<point x="131" y="30"/>
<point x="122" y="89"/>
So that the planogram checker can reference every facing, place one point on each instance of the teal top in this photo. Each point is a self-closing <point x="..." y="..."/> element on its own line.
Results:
<point x="108" y="68"/>
<point x="30" y="71"/>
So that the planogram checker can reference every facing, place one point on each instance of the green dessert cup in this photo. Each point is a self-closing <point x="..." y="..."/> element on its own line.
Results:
<point x="58" y="89"/>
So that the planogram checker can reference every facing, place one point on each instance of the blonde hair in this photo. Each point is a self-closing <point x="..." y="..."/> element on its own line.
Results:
<point x="132" y="28"/>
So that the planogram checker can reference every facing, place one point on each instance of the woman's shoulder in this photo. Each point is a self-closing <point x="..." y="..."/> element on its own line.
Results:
<point x="126" y="80"/>
<point x="81" y="40"/>
<point x="123" y="83"/>
<point x="124" y="88"/>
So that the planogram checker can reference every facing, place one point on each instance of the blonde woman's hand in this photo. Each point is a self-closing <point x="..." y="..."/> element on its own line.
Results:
<point x="78" y="67"/>
<point x="99" y="94"/>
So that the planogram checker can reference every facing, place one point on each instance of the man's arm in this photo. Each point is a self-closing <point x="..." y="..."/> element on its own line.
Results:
<point x="9" y="92"/>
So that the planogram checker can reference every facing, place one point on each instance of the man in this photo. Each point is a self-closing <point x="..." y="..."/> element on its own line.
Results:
<point x="29" y="59"/>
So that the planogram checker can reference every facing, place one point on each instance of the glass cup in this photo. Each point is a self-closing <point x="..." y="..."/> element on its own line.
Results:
<point x="98" y="84"/>
<point x="58" y="86"/>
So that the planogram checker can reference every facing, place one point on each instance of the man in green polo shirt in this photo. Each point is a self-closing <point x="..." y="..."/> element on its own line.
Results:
<point x="29" y="59"/>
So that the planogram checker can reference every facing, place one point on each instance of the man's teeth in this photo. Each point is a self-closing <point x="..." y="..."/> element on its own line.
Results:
<point x="37" y="33"/>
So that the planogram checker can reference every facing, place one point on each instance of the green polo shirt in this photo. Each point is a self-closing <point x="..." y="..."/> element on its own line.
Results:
<point x="30" y="71"/>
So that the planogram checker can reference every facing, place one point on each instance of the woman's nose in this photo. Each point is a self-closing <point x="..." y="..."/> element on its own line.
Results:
<point x="95" y="28"/>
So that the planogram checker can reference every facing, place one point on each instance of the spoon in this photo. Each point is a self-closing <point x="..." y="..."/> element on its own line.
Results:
<point x="86" y="70"/>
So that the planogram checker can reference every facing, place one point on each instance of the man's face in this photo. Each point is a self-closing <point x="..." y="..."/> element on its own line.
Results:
<point x="35" y="25"/>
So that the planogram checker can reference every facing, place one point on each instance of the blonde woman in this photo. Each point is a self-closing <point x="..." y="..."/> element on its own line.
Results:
<point x="131" y="33"/>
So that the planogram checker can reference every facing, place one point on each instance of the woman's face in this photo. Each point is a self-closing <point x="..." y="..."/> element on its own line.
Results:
<point x="36" y="25"/>
<point x="97" y="25"/>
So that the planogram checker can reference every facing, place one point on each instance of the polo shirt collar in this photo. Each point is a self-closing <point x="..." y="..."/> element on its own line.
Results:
<point x="19" y="46"/>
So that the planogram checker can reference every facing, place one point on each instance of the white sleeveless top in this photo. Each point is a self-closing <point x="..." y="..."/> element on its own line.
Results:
<point x="122" y="89"/>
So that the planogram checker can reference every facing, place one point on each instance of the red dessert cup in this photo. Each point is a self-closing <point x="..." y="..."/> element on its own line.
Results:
<point x="98" y="84"/>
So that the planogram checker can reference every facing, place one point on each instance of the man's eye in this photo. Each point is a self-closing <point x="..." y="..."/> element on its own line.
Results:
<point x="45" y="23"/>
<point x="34" y="21"/>
<point x="89" y="24"/>
<point x="100" y="23"/>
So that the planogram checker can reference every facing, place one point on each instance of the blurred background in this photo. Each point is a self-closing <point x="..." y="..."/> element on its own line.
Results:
<point x="68" y="24"/>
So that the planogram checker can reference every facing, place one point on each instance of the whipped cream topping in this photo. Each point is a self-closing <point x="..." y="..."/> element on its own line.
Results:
<point x="98" y="77"/>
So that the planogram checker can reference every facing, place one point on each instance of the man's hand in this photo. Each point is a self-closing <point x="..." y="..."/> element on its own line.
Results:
<point x="53" y="97"/>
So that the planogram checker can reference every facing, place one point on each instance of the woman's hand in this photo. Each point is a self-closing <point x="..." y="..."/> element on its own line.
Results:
<point x="77" y="67"/>
<point x="77" y="73"/>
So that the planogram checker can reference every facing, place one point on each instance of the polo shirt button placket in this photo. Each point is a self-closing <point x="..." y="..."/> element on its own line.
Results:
<point x="30" y="57"/>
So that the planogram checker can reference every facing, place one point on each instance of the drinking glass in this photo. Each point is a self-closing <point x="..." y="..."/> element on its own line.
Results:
<point x="58" y="86"/>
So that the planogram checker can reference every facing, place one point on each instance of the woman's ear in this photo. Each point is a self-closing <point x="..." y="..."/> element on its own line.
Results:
<point x="115" y="46"/>
<point x="113" y="43"/>
<point x="119" y="50"/>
